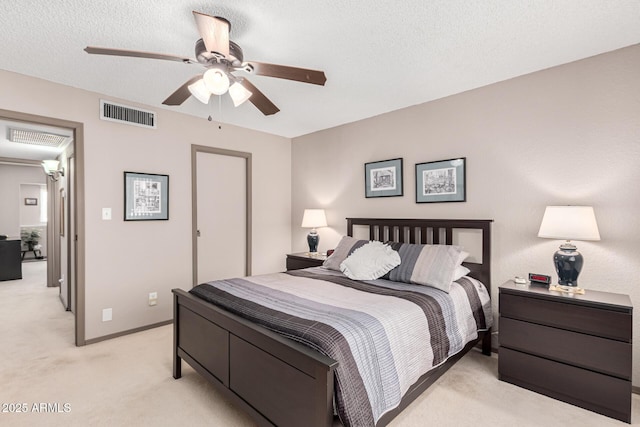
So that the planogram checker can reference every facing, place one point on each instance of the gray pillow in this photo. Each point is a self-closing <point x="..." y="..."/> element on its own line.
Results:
<point x="345" y="247"/>
<point x="429" y="265"/>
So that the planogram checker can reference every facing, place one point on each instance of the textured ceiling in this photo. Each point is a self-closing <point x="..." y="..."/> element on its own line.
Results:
<point x="378" y="55"/>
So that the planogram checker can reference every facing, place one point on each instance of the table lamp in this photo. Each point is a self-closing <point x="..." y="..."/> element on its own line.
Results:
<point x="569" y="223"/>
<point x="313" y="218"/>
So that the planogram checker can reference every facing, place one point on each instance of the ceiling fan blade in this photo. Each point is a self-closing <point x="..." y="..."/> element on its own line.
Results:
<point x="284" y="72"/>
<point x="137" y="54"/>
<point x="258" y="99"/>
<point x="182" y="93"/>
<point x="214" y="32"/>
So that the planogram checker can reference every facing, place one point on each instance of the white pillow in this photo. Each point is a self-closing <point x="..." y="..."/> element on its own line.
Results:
<point x="370" y="261"/>
<point x="461" y="271"/>
<point x="463" y="255"/>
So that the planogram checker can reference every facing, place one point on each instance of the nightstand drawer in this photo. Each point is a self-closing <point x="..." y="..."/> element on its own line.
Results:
<point x="598" y="354"/>
<point x="600" y="322"/>
<point x="597" y="392"/>
<point x="297" y="264"/>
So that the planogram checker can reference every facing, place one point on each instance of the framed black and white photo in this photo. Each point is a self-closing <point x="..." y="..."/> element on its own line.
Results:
<point x="146" y="196"/>
<point x="383" y="178"/>
<point x="31" y="201"/>
<point x="441" y="181"/>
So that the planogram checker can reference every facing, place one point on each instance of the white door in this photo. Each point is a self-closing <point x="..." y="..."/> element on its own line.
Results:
<point x="221" y="216"/>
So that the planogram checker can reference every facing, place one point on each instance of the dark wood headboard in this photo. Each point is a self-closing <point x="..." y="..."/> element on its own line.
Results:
<point x="431" y="231"/>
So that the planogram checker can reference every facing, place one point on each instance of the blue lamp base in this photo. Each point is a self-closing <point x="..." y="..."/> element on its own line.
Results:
<point x="312" y="239"/>
<point x="568" y="262"/>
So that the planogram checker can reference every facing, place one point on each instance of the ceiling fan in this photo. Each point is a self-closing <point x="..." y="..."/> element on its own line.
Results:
<point x="221" y="57"/>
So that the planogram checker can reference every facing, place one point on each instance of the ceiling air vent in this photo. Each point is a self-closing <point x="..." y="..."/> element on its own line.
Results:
<point x="124" y="114"/>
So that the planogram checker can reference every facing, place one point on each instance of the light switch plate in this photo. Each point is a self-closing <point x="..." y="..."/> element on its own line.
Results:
<point x="107" y="314"/>
<point x="106" y="214"/>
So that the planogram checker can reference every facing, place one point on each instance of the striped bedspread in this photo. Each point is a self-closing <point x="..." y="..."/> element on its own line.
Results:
<point x="384" y="334"/>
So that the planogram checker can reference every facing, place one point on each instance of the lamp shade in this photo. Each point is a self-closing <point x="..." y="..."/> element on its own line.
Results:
<point x="569" y="223"/>
<point x="200" y="91"/>
<point x="313" y="218"/>
<point x="239" y="94"/>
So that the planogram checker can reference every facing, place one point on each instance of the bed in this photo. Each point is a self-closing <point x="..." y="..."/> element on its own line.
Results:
<point x="279" y="381"/>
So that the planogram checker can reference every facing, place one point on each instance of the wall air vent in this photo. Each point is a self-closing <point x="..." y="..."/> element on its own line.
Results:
<point x="124" y="114"/>
<point x="33" y="137"/>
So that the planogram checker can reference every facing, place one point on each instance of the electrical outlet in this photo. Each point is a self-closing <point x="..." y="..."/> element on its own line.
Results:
<point x="107" y="314"/>
<point x="153" y="298"/>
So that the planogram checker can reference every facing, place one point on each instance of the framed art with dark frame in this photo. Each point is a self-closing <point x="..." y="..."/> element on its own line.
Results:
<point x="383" y="178"/>
<point x="441" y="181"/>
<point x="31" y="201"/>
<point x="146" y="196"/>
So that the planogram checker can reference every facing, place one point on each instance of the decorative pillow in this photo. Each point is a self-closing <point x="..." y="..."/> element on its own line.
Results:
<point x="430" y="265"/>
<point x="461" y="271"/>
<point x="370" y="262"/>
<point x="463" y="255"/>
<point x="345" y="247"/>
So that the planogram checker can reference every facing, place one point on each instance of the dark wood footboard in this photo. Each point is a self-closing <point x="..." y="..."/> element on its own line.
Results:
<point x="275" y="380"/>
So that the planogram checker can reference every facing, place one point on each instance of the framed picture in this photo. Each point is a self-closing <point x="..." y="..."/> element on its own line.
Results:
<point x="146" y="196"/>
<point x="383" y="178"/>
<point x="441" y="181"/>
<point x="31" y="201"/>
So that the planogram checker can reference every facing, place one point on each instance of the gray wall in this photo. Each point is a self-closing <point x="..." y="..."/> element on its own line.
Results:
<point x="566" y="135"/>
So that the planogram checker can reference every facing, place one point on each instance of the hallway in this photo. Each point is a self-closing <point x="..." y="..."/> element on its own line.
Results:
<point x="52" y="328"/>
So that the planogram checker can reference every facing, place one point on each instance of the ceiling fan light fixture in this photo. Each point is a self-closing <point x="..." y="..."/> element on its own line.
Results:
<point x="221" y="58"/>
<point x="216" y="81"/>
<point x="239" y="94"/>
<point x="200" y="91"/>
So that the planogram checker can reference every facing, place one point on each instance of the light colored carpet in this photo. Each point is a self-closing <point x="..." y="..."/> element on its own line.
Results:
<point x="127" y="381"/>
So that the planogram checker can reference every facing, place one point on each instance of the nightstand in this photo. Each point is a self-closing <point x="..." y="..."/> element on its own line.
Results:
<point x="304" y="260"/>
<point x="575" y="348"/>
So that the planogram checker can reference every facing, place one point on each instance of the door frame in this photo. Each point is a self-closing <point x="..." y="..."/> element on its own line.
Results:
<point x="195" y="149"/>
<point x="69" y="224"/>
<point x="67" y="227"/>
<point x="79" y="238"/>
